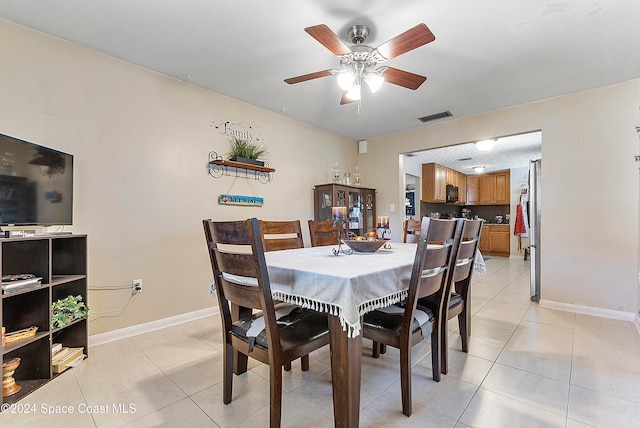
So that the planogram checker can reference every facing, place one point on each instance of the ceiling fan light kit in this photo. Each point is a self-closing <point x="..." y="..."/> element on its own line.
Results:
<point x="359" y="64"/>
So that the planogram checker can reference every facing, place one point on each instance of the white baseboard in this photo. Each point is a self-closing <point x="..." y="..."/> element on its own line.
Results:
<point x="134" y="330"/>
<point x="637" y="323"/>
<point x="589" y="310"/>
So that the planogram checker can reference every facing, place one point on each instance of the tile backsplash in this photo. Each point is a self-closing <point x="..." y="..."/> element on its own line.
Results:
<point x="488" y="212"/>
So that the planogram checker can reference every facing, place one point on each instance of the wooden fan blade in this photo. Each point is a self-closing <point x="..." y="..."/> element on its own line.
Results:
<point x="309" y="76"/>
<point x="345" y="100"/>
<point x="328" y="39"/>
<point x="403" y="78"/>
<point x="407" y="41"/>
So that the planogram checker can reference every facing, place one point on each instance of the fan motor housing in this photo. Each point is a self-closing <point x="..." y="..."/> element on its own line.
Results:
<point x="358" y="34"/>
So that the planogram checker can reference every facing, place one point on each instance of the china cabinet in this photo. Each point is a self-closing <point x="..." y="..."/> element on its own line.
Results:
<point x="360" y="203"/>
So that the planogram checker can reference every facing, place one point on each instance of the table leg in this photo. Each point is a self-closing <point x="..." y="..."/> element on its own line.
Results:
<point x="346" y="359"/>
<point x="240" y="361"/>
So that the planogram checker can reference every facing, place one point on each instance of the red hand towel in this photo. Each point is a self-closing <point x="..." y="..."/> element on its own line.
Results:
<point x="519" y="227"/>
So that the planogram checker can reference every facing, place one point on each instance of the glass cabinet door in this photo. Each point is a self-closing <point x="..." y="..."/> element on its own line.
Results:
<point x="355" y="212"/>
<point x="324" y="202"/>
<point x="359" y="202"/>
<point x="369" y="208"/>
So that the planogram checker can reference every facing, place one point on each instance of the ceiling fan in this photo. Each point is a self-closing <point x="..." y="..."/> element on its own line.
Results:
<point x="359" y="64"/>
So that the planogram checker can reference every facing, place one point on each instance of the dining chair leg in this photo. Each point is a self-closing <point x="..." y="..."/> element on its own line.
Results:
<point x="435" y="354"/>
<point x="383" y="348"/>
<point x="227" y="374"/>
<point x="405" y="378"/>
<point x="464" y="325"/>
<point x="304" y="361"/>
<point x="287" y="367"/>
<point x="376" y="350"/>
<point x="275" y="395"/>
<point x="444" y="344"/>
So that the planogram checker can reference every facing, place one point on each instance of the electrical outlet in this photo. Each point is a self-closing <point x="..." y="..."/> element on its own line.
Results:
<point x="136" y="286"/>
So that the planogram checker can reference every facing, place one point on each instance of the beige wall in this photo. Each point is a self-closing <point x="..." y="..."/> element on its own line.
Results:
<point x="589" y="240"/>
<point x="141" y="143"/>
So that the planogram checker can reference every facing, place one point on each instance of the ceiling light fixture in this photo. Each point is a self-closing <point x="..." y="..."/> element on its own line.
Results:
<point x="359" y="67"/>
<point x="478" y="169"/>
<point x="485" y="145"/>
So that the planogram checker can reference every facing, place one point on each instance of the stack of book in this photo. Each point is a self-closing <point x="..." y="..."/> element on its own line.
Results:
<point x="13" y="283"/>
<point x="63" y="357"/>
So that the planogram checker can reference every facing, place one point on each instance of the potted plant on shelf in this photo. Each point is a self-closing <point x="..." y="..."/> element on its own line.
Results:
<point x="244" y="151"/>
<point x="68" y="309"/>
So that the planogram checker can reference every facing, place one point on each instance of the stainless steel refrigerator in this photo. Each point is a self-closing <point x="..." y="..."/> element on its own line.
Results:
<point x="534" y="226"/>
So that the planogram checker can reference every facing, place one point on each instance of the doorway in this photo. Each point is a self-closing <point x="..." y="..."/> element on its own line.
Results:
<point x="509" y="153"/>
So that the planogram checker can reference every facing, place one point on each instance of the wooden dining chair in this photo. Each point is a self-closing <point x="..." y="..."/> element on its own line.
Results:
<point x="323" y="233"/>
<point x="281" y="235"/>
<point x="403" y="325"/>
<point x="411" y="230"/>
<point x="275" y="335"/>
<point x="458" y="294"/>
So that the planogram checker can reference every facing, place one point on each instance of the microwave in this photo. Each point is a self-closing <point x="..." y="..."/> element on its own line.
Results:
<point x="452" y="193"/>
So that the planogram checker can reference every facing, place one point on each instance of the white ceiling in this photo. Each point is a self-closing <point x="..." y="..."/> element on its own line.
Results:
<point x="487" y="54"/>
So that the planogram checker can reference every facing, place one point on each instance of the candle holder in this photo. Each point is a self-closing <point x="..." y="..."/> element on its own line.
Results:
<point x="340" y="224"/>
<point x="383" y="230"/>
<point x="383" y="226"/>
<point x="339" y="215"/>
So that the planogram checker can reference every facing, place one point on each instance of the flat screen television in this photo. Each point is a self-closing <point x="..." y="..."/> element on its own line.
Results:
<point x="36" y="184"/>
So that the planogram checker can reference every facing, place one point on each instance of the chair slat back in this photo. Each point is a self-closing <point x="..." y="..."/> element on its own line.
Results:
<point x="433" y="257"/>
<point x="281" y="235"/>
<point x="467" y="249"/>
<point x="411" y="231"/>
<point x="322" y="233"/>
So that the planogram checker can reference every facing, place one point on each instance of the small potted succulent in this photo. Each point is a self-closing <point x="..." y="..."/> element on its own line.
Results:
<point x="244" y="151"/>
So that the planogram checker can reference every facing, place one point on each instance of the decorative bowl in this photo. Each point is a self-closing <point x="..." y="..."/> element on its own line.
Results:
<point x="364" y="246"/>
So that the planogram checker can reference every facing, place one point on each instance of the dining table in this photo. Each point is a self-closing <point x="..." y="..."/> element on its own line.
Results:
<point x="345" y="287"/>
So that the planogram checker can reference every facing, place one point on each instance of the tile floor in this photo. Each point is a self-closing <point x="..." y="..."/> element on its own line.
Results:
<point x="526" y="367"/>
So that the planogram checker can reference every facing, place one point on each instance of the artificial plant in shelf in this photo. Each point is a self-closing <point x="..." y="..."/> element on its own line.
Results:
<point x="68" y="309"/>
<point x="241" y="150"/>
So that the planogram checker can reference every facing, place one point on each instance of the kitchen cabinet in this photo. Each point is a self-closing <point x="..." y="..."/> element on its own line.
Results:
<point x="495" y="240"/>
<point x="360" y="203"/>
<point x="59" y="264"/>
<point x="494" y="189"/>
<point x="485" y="189"/>
<point x="462" y="189"/>
<point x="434" y="182"/>
<point x="452" y="177"/>
<point x="502" y="192"/>
<point x="473" y="189"/>
<point x="483" y="245"/>
<point x="458" y="180"/>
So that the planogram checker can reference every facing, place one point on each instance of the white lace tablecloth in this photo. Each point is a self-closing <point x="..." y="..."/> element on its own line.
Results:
<point x="346" y="285"/>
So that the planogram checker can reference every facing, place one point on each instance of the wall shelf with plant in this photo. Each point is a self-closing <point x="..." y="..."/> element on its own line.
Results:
<point x="241" y="162"/>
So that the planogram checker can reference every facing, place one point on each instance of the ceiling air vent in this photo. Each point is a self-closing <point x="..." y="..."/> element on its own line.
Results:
<point x="435" y="116"/>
